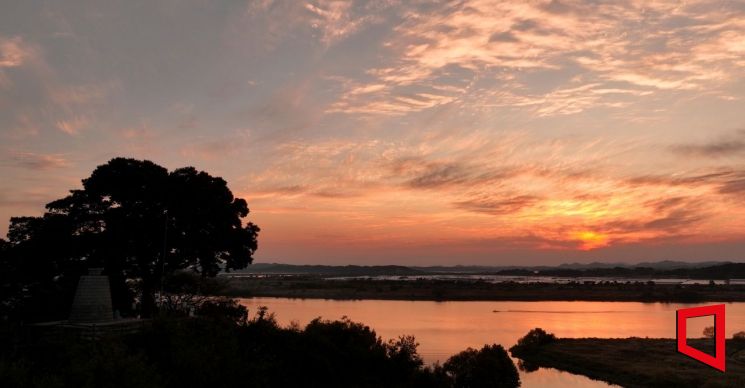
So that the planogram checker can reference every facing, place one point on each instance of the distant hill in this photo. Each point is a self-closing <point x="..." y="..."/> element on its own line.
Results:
<point x="330" y="270"/>
<point x="709" y="269"/>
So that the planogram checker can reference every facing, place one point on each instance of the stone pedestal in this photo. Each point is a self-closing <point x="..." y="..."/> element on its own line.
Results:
<point x="92" y="301"/>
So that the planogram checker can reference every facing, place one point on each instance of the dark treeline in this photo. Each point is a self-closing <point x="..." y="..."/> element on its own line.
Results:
<point x="222" y="348"/>
<point x="610" y="289"/>
<point x="663" y="269"/>
<point x="721" y="271"/>
<point x="332" y="270"/>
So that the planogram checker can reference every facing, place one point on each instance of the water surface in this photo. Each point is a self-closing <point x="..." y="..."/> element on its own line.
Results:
<point x="445" y="328"/>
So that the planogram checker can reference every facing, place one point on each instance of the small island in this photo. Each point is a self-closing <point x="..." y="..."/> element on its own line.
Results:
<point x="631" y="362"/>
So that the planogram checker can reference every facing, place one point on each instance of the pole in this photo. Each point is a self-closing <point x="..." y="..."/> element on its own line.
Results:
<point x="163" y="257"/>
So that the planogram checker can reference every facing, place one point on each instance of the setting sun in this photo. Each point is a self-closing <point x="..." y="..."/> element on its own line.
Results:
<point x="590" y="240"/>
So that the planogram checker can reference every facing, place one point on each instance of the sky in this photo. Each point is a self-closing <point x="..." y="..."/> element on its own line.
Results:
<point x="406" y="132"/>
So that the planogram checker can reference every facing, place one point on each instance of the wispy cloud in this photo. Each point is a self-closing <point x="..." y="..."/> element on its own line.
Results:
<point x="734" y="185"/>
<point x="335" y="19"/>
<point x="213" y="148"/>
<point x="75" y="96"/>
<point x="498" y="206"/>
<point x="34" y="161"/>
<point x="727" y="146"/>
<point x="423" y="174"/>
<point x="631" y="48"/>
<point x="14" y="51"/>
<point x="73" y="126"/>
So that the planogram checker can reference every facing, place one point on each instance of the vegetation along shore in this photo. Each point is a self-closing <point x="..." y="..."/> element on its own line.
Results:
<point x="315" y="286"/>
<point x="631" y="362"/>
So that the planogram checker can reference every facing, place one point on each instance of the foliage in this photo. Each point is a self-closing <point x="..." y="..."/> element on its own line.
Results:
<point x="138" y="221"/>
<point x="529" y="345"/>
<point x="202" y="352"/>
<point x="184" y="292"/>
<point x="638" y="362"/>
<point x="10" y="287"/>
<point x="488" y="367"/>
<point x="739" y="336"/>
<point x="224" y="308"/>
<point x="709" y="332"/>
<point x="534" y="339"/>
<point x="403" y="351"/>
<point x="212" y="351"/>
<point x="65" y="361"/>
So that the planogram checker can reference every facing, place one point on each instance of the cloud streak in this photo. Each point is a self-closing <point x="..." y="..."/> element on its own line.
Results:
<point x="14" y="52"/>
<point x="730" y="146"/>
<point x="622" y="48"/>
<point x="38" y="162"/>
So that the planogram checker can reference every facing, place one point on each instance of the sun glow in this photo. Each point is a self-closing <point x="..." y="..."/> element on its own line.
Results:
<point x="590" y="240"/>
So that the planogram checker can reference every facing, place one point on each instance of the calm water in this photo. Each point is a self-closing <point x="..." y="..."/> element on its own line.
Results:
<point x="446" y="328"/>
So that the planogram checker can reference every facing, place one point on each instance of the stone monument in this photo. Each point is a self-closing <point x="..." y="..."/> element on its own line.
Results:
<point x="92" y="302"/>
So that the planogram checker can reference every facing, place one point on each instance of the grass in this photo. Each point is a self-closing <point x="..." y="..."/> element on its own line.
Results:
<point x="637" y="362"/>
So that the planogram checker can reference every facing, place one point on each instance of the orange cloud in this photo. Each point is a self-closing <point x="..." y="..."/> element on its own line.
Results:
<point x="14" y="52"/>
<point x="73" y="126"/>
<point x="678" y="48"/>
<point x="33" y="161"/>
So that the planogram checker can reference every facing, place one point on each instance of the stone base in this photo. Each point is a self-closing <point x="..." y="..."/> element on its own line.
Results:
<point x="92" y="301"/>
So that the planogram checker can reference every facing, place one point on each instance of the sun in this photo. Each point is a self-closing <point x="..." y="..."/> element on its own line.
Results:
<point x="590" y="240"/>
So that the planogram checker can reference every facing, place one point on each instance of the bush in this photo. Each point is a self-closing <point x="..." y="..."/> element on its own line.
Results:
<point x="488" y="367"/>
<point x="536" y="338"/>
<point x="403" y="351"/>
<point x="221" y="347"/>
<point x="224" y="308"/>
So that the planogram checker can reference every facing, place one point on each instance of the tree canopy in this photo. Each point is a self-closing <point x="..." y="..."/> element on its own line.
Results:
<point x="139" y="222"/>
<point x="488" y="367"/>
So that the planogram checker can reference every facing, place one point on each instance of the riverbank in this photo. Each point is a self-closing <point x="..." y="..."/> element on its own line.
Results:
<point x="636" y="362"/>
<point x="222" y="347"/>
<point x="315" y="287"/>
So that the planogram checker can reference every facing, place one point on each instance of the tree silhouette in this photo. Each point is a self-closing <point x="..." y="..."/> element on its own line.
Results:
<point x="488" y="367"/>
<point x="139" y="222"/>
<point x="535" y="338"/>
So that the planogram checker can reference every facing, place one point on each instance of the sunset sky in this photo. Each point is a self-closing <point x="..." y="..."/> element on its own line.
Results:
<point x="408" y="132"/>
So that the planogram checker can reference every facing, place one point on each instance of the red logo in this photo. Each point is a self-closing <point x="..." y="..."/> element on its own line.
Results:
<point x="718" y="312"/>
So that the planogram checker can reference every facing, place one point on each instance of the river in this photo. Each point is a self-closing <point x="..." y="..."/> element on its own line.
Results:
<point x="446" y="328"/>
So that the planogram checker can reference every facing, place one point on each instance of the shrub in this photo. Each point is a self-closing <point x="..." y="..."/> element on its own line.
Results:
<point x="488" y="367"/>
<point x="403" y="354"/>
<point x="224" y="308"/>
<point x="535" y="338"/>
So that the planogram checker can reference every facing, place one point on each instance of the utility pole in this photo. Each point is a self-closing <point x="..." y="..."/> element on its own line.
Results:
<point x="163" y="257"/>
